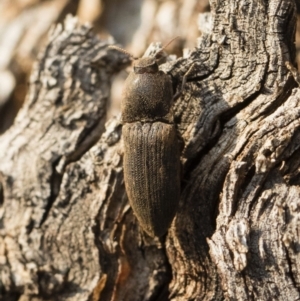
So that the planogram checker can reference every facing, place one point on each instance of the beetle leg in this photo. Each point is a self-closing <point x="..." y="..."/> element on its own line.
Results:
<point x="184" y="80"/>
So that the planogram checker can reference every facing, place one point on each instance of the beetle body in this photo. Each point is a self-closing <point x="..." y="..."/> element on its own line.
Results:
<point x="151" y="150"/>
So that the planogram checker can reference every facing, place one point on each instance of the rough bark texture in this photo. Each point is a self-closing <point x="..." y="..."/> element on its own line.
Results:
<point x="23" y="29"/>
<point x="66" y="229"/>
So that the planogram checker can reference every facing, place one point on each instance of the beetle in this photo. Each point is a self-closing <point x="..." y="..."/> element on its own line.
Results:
<point x="151" y="149"/>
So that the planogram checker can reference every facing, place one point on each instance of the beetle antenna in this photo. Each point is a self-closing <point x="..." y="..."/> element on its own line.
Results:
<point x="123" y="51"/>
<point x="166" y="45"/>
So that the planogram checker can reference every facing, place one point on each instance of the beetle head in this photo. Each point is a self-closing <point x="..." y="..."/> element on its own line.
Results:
<point x="150" y="62"/>
<point x="145" y="65"/>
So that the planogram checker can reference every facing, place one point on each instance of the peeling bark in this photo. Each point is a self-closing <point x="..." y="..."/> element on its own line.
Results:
<point x="67" y="231"/>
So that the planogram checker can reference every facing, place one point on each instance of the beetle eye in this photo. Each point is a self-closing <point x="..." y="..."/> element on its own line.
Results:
<point x="160" y="57"/>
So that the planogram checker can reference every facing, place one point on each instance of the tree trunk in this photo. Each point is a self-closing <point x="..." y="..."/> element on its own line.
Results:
<point x="66" y="229"/>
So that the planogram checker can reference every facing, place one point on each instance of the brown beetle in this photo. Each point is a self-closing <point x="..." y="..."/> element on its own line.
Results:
<point x="151" y="150"/>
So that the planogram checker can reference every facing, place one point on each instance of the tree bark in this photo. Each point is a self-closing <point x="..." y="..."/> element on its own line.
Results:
<point x="66" y="229"/>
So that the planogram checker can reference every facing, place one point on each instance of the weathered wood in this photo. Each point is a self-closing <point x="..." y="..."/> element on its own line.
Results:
<point x="67" y="232"/>
<point x="23" y="29"/>
<point x="43" y="222"/>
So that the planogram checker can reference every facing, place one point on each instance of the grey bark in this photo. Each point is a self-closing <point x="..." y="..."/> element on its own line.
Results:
<point x="66" y="229"/>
